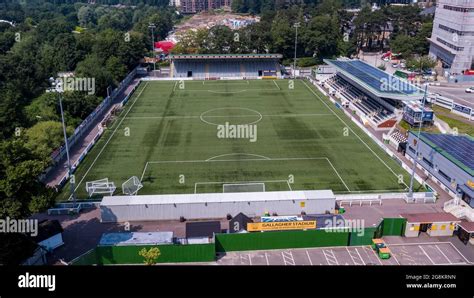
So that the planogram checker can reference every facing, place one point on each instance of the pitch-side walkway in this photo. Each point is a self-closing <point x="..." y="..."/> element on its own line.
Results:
<point x="60" y="169"/>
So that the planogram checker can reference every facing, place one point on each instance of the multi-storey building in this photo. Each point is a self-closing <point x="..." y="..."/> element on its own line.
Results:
<point x="195" y="6"/>
<point x="452" y="40"/>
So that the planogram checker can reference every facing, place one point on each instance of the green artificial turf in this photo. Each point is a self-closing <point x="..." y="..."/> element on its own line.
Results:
<point x="167" y="136"/>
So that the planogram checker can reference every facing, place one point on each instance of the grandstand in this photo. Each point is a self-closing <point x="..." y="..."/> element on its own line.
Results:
<point x="376" y="96"/>
<point x="209" y="67"/>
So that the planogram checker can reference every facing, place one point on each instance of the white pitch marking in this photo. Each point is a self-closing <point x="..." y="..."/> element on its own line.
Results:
<point x="110" y="138"/>
<point x="330" y="163"/>
<point x="233" y="154"/>
<point x="143" y="173"/>
<point x="360" y="139"/>
<point x="289" y="186"/>
<point x="227" y="116"/>
<point x="266" y="258"/>
<point x="276" y="85"/>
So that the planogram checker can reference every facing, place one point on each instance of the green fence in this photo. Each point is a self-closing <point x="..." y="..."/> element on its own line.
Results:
<point x="104" y="255"/>
<point x="363" y="237"/>
<point x="393" y="226"/>
<point x="280" y="240"/>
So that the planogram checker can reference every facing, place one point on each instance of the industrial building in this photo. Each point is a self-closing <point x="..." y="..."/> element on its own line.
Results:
<point x="447" y="160"/>
<point x="215" y="205"/>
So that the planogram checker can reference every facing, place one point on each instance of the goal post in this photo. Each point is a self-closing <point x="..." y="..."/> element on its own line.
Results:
<point x="243" y="187"/>
<point x="131" y="186"/>
<point x="101" y="186"/>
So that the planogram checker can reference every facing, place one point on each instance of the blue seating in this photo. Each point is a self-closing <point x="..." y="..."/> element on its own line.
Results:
<point x="202" y="69"/>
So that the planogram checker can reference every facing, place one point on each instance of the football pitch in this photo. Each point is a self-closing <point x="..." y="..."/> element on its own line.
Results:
<point x="201" y="136"/>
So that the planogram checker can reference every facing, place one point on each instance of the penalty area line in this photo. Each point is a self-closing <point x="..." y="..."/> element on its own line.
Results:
<point x="111" y="136"/>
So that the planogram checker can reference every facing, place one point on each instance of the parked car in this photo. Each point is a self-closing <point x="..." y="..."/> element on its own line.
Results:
<point x="470" y="90"/>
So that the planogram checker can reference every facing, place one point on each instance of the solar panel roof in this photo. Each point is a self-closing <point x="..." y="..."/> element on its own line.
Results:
<point x="459" y="149"/>
<point x="375" y="78"/>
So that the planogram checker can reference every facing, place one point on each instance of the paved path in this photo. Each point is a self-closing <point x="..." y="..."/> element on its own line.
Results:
<point x="60" y="169"/>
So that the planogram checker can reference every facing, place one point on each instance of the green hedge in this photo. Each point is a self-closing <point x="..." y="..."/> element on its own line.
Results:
<point x="280" y="240"/>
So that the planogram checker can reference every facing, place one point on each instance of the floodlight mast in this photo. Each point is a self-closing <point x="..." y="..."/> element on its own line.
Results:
<point x="152" y="27"/>
<point x="58" y="88"/>
<point x="415" y="159"/>
<point x="296" y="25"/>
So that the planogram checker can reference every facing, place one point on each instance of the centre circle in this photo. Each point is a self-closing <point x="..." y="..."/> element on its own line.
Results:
<point x="219" y="117"/>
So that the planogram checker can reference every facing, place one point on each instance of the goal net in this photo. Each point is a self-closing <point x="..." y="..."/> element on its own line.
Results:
<point x="243" y="187"/>
<point x="131" y="186"/>
<point x="102" y="186"/>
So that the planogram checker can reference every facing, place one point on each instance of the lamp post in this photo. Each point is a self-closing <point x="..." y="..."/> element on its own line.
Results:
<point x="296" y="25"/>
<point x="152" y="27"/>
<point x="58" y="88"/>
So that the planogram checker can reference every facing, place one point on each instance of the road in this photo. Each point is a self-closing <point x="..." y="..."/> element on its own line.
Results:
<point x="455" y="92"/>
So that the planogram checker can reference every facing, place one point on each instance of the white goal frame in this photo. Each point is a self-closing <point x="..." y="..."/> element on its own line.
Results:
<point x="131" y="186"/>
<point x="101" y="186"/>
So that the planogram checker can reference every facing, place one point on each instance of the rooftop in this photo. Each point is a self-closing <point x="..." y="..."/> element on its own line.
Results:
<point x="217" y="197"/>
<point x="199" y="229"/>
<point x="458" y="149"/>
<point x="134" y="238"/>
<point x="377" y="81"/>
<point x="224" y="56"/>
<point x="430" y="217"/>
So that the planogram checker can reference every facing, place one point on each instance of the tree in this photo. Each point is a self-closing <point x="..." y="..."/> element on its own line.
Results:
<point x="403" y="44"/>
<point x="421" y="63"/>
<point x="422" y="45"/>
<point x="92" y="67"/>
<point x="151" y="255"/>
<point x="86" y="16"/>
<point x="43" y="108"/>
<point x="116" y="68"/>
<point x="44" y="137"/>
<point x="64" y="52"/>
<point x="19" y="172"/>
<point x="283" y="34"/>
